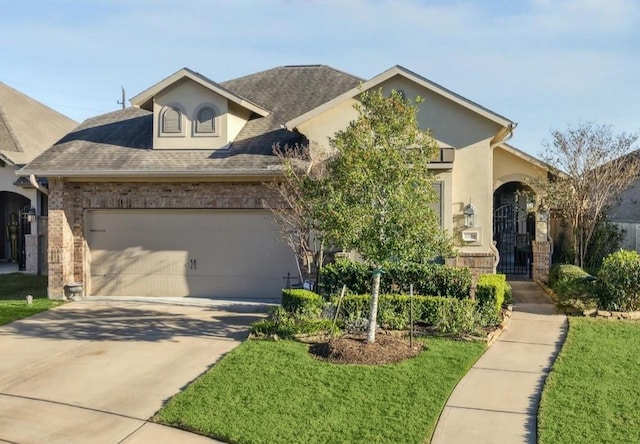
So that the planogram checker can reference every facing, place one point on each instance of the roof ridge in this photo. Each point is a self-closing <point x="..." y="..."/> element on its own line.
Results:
<point x="319" y="65"/>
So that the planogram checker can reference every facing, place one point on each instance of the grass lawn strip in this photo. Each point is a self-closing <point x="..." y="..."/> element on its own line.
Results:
<point x="275" y="392"/>
<point x="593" y="392"/>
<point x="14" y="287"/>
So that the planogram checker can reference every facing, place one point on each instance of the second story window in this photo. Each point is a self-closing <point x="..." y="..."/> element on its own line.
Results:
<point x="171" y="121"/>
<point x="205" y="121"/>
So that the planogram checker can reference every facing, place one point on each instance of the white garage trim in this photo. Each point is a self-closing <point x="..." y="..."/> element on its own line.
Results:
<point x="226" y="254"/>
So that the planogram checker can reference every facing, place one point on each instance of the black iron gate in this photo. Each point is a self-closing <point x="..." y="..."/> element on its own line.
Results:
<point x="513" y="233"/>
<point x="23" y="230"/>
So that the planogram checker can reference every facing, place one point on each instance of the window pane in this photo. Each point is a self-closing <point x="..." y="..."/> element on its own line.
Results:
<point x="205" y="123"/>
<point x="171" y="121"/>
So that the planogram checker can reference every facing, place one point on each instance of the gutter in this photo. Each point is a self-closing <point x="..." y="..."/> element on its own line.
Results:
<point x="37" y="186"/>
<point x="503" y="135"/>
<point x="268" y="172"/>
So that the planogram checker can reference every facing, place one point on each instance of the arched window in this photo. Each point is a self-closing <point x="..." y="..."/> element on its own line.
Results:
<point x="206" y="121"/>
<point x="171" y="121"/>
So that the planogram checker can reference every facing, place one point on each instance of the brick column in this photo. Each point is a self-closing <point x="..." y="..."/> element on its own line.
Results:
<point x="60" y="248"/>
<point x="31" y="249"/>
<point x="541" y="260"/>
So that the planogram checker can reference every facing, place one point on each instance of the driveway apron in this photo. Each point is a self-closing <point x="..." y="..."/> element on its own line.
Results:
<point x="96" y="370"/>
<point x="497" y="401"/>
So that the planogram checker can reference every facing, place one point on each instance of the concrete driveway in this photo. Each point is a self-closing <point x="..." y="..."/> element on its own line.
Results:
<point x="96" y="370"/>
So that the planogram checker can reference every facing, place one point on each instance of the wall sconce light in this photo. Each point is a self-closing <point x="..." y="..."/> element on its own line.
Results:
<point x="469" y="216"/>
<point x="30" y="215"/>
<point x="543" y="213"/>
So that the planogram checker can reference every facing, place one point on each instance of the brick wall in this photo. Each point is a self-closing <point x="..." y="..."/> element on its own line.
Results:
<point x="478" y="263"/>
<point x="68" y="202"/>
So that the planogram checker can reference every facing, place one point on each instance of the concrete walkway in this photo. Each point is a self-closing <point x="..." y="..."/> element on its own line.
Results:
<point x="95" y="371"/>
<point x="497" y="401"/>
<point x="8" y="267"/>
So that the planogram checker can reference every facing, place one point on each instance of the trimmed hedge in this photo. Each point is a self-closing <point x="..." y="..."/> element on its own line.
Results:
<point x="619" y="281"/>
<point x="572" y="286"/>
<point x="287" y="325"/>
<point x="565" y="272"/>
<point x="394" y="310"/>
<point x="427" y="279"/>
<point x="491" y="289"/>
<point x="301" y="301"/>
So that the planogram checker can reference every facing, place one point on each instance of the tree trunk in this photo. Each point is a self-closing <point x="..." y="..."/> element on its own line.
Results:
<point x="373" y="316"/>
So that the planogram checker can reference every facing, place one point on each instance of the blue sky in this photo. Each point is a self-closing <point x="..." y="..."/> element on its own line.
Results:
<point x="542" y="63"/>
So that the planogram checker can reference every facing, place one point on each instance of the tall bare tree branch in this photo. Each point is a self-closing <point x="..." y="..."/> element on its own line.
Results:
<point x="594" y="167"/>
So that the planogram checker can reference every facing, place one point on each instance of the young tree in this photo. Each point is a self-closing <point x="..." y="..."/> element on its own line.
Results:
<point x="377" y="194"/>
<point x="294" y="215"/>
<point x="593" y="167"/>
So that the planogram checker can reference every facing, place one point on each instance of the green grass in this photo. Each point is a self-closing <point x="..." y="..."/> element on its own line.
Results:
<point x="14" y="288"/>
<point x="275" y="392"/>
<point x="593" y="392"/>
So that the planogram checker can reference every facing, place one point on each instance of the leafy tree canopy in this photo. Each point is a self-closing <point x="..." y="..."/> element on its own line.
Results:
<point x="377" y="195"/>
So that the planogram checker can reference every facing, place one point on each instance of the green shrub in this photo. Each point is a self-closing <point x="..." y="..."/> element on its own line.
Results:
<point x="355" y="275"/>
<point x="572" y="286"/>
<point x="457" y="318"/>
<point x="565" y="272"/>
<point x="302" y="302"/>
<point x="487" y="316"/>
<point x="619" y="281"/>
<point x="452" y="314"/>
<point x="606" y="239"/>
<point x="490" y="290"/>
<point x="285" y="324"/>
<point x="427" y="279"/>
<point x="508" y="293"/>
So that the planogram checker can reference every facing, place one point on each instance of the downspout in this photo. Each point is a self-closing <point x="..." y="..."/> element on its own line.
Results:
<point x="505" y="134"/>
<point x="37" y="186"/>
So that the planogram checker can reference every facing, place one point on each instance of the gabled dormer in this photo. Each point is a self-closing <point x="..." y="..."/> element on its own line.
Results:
<point x="191" y="112"/>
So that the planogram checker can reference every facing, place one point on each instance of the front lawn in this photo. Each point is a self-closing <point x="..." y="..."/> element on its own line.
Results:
<point x="275" y="392"/>
<point x="14" y="288"/>
<point x="593" y="392"/>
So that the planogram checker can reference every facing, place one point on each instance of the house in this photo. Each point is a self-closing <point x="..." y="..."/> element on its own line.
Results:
<point x="624" y="212"/>
<point x="27" y="128"/>
<point x="166" y="198"/>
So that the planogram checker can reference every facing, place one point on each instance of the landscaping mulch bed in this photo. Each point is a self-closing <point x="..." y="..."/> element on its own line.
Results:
<point x="356" y="350"/>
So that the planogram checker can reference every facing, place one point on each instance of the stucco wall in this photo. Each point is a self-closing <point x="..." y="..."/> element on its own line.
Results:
<point x="190" y="96"/>
<point x="453" y="125"/>
<point x="509" y="167"/>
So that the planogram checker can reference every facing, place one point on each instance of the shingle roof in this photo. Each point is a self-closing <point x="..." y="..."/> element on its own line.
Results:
<point x="121" y="142"/>
<point x="27" y="127"/>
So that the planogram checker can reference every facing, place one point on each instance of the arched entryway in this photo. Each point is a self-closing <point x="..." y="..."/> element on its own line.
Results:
<point x="14" y="226"/>
<point x="514" y="227"/>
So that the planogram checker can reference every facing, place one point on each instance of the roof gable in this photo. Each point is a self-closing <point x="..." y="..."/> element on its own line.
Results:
<point x="27" y="127"/>
<point x="525" y="156"/>
<point x="145" y="98"/>
<point x="410" y="75"/>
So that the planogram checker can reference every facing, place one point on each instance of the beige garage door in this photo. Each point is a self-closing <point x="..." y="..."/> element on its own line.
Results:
<point x="221" y="253"/>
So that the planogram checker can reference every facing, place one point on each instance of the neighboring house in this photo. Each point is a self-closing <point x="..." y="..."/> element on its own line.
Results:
<point x="625" y="213"/>
<point x="166" y="198"/>
<point x="27" y="128"/>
